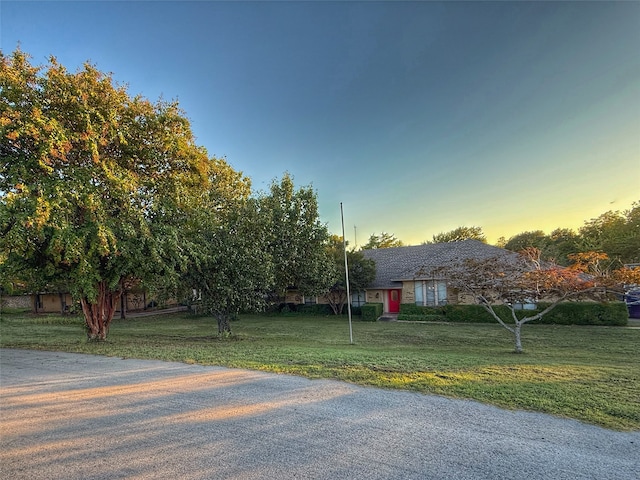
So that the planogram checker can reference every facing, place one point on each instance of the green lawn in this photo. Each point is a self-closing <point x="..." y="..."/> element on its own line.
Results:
<point x="588" y="373"/>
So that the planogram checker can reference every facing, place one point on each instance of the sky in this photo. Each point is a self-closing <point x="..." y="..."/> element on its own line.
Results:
<point x="419" y="117"/>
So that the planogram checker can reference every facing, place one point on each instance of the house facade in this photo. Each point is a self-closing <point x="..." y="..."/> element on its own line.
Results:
<point x="294" y="297"/>
<point x="407" y="275"/>
<point x="64" y="303"/>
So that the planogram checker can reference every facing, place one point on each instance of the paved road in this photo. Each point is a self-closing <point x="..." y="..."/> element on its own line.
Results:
<point x="71" y="416"/>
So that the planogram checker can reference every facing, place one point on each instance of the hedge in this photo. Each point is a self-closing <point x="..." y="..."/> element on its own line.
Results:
<point x="371" y="311"/>
<point x="585" y="313"/>
<point x="315" y="309"/>
<point x="568" y="313"/>
<point x="299" y="309"/>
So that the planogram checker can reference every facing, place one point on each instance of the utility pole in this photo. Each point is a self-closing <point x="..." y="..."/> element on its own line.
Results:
<point x="346" y="272"/>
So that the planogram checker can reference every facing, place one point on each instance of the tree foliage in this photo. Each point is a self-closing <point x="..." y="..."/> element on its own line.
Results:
<point x="505" y="283"/>
<point x="362" y="271"/>
<point x="616" y="233"/>
<point x="296" y="239"/>
<point x="94" y="184"/>
<point x="459" y="234"/>
<point x="555" y="247"/>
<point x="384" y="240"/>
<point x="230" y="270"/>
<point x="233" y="271"/>
<point x="536" y="239"/>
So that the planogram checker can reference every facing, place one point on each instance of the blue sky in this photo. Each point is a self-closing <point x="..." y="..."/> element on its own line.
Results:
<point x="419" y="116"/>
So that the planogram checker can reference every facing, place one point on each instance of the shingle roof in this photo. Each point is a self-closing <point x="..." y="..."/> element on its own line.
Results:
<point x="402" y="263"/>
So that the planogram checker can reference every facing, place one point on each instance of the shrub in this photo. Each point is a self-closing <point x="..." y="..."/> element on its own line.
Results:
<point x="568" y="313"/>
<point x="371" y="311"/>
<point x="468" y="313"/>
<point x="587" y="313"/>
<point x="412" y="309"/>
<point x="316" y="309"/>
<point x="298" y="309"/>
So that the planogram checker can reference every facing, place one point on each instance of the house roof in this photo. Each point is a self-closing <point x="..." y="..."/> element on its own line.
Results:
<point x="403" y="263"/>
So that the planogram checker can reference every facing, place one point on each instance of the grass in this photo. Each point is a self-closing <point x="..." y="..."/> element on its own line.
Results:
<point x="591" y="374"/>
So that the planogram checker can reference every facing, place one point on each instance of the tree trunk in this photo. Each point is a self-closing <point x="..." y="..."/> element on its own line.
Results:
<point x="336" y="301"/>
<point x="224" y="324"/>
<point x="98" y="315"/>
<point x="123" y="306"/>
<point x="516" y="334"/>
<point x="63" y="308"/>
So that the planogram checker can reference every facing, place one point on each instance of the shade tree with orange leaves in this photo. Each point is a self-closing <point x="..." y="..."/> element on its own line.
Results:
<point x="502" y="285"/>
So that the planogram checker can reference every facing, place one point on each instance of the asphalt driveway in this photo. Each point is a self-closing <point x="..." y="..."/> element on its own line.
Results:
<point x="71" y="416"/>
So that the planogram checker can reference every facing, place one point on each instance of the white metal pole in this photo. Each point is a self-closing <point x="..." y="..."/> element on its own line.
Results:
<point x="346" y="271"/>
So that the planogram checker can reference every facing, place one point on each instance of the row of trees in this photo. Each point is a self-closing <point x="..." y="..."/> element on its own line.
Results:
<point x="102" y="192"/>
<point x="615" y="233"/>
<point x="389" y="240"/>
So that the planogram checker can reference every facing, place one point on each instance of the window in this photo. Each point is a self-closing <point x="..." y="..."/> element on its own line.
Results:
<point x="358" y="299"/>
<point x="431" y="293"/>
<point x="310" y="300"/>
<point x="525" y="306"/>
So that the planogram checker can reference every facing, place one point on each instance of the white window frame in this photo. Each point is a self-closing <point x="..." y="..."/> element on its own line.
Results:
<point x="430" y="293"/>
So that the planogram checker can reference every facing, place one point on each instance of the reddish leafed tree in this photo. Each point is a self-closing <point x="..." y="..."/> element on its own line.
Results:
<point x="514" y="280"/>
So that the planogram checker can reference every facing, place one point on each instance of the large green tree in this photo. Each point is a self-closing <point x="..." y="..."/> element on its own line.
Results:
<point x="616" y="233"/>
<point x="232" y="270"/>
<point x="563" y="242"/>
<point x="555" y="247"/>
<point x="296" y="239"/>
<point x="459" y="234"/>
<point x="384" y="240"/>
<point x="536" y="238"/>
<point x="95" y="184"/>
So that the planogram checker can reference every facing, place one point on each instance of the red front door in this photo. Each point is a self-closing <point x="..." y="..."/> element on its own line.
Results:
<point x="394" y="301"/>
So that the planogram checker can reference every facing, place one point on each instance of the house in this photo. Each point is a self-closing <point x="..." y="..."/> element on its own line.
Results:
<point x="63" y="302"/>
<point x="52" y="302"/>
<point x="406" y="274"/>
<point x="296" y="298"/>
